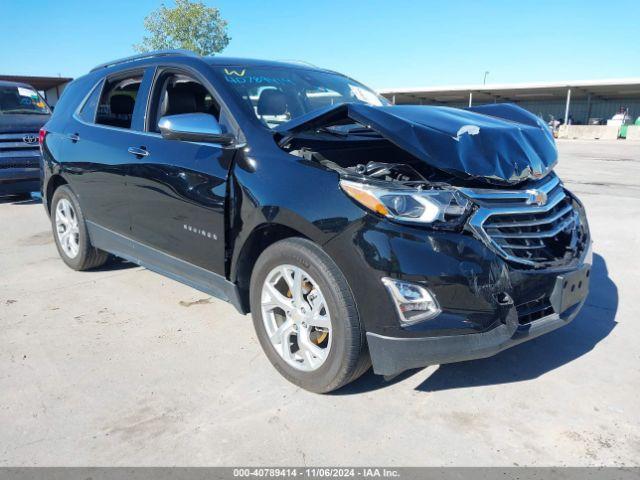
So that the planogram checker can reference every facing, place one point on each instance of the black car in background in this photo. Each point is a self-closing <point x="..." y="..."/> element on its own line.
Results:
<point x="22" y="113"/>
<point x="354" y="231"/>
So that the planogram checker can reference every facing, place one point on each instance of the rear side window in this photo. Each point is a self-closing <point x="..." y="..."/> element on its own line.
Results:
<point x="118" y="100"/>
<point x="88" y="111"/>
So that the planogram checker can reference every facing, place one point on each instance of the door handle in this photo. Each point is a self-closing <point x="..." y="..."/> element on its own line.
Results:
<point x="74" y="137"/>
<point x="138" y="152"/>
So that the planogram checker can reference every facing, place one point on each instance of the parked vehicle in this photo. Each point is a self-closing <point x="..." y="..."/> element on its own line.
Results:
<point x="22" y="112"/>
<point x="354" y="231"/>
<point x="621" y="118"/>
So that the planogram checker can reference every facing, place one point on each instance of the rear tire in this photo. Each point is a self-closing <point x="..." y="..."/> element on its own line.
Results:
<point x="337" y="353"/>
<point x="70" y="232"/>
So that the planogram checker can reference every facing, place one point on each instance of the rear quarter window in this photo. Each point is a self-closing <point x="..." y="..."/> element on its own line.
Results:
<point x="87" y="112"/>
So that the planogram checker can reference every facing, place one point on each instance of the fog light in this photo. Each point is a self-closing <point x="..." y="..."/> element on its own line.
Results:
<point x="414" y="303"/>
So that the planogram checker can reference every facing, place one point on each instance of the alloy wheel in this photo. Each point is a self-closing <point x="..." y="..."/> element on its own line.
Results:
<point x="296" y="317"/>
<point x="67" y="228"/>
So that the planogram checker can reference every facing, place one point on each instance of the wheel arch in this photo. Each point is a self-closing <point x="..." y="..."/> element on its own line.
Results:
<point x="52" y="185"/>
<point x="262" y="237"/>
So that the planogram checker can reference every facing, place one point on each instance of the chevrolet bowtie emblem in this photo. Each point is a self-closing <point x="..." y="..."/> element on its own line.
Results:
<point x="536" y="197"/>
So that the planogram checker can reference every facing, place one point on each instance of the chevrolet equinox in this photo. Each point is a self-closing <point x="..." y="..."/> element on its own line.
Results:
<point x="356" y="232"/>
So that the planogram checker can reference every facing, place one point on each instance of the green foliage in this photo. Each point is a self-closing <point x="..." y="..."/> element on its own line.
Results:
<point x="190" y="25"/>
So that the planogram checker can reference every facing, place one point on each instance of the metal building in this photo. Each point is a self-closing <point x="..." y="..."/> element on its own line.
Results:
<point x="578" y="100"/>
<point x="50" y="87"/>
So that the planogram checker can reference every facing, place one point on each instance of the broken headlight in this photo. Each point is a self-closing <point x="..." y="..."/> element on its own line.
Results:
<point x="444" y="208"/>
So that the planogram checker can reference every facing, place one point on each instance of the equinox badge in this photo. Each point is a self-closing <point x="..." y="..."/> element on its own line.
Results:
<point x="200" y="231"/>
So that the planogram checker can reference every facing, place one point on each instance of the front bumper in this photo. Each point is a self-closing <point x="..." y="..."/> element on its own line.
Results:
<point x="487" y="304"/>
<point x="393" y="355"/>
<point x="19" y="180"/>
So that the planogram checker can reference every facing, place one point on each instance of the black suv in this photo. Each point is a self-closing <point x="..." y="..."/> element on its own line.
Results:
<point x="22" y="112"/>
<point x="354" y="231"/>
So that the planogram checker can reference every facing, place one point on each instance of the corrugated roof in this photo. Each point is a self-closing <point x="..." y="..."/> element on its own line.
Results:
<point x="606" y="88"/>
<point x="39" y="83"/>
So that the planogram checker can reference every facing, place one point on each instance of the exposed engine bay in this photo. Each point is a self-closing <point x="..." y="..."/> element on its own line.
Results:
<point x="368" y="158"/>
<point x="498" y="145"/>
<point x="381" y="171"/>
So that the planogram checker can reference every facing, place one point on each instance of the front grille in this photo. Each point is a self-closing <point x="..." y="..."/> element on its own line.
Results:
<point x="530" y="234"/>
<point x="15" y="144"/>
<point x="19" y="162"/>
<point x="536" y="237"/>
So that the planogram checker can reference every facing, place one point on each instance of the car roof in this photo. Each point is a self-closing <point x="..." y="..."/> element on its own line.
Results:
<point x="254" y="62"/>
<point x="147" y="58"/>
<point x="6" y="83"/>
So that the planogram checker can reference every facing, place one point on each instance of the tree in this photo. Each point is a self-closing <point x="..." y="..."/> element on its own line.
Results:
<point x="190" y="25"/>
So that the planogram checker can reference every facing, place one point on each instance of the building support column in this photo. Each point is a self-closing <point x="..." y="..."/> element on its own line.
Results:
<point x="566" y="108"/>
<point x="393" y="100"/>
<point x="586" y="120"/>
<point x="470" y="99"/>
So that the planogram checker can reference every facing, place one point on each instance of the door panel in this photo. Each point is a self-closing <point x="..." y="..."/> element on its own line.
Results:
<point x="178" y="198"/>
<point x="98" y="136"/>
<point x="177" y="192"/>
<point x="96" y="163"/>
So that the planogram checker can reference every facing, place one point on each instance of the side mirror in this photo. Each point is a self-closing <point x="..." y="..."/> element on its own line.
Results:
<point x="193" y="127"/>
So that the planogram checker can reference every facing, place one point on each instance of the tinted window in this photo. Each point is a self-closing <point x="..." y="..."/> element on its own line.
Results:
<point x="118" y="100"/>
<point x="88" y="111"/>
<point x="178" y="93"/>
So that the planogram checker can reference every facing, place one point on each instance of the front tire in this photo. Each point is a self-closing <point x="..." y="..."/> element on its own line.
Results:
<point x="305" y="316"/>
<point x="70" y="232"/>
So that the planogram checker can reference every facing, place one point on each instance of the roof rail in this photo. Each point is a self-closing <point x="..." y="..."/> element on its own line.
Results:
<point x="142" y="56"/>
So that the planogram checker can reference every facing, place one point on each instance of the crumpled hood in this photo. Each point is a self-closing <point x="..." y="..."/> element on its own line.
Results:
<point x="497" y="143"/>
<point x="22" y="123"/>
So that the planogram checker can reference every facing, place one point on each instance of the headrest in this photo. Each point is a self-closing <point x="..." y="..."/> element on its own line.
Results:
<point x="272" y="102"/>
<point x="121" y="104"/>
<point x="181" y="100"/>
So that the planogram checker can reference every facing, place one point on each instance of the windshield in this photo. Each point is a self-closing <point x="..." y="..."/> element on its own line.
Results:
<point x="277" y="95"/>
<point x="18" y="99"/>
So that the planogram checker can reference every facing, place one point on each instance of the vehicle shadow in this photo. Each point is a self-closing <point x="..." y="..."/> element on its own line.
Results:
<point x="528" y="360"/>
<point x="114" y="264"/>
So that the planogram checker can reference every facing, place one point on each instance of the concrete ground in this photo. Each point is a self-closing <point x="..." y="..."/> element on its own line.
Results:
<point x="124" y="367"/>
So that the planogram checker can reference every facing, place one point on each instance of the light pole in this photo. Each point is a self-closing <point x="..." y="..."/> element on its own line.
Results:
<point x="484" y="82"/>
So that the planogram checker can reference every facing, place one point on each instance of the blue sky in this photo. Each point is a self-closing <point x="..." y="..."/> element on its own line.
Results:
<point x="384" y="44"/>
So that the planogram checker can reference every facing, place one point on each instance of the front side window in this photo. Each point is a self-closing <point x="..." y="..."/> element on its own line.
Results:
<point x="21" y="100"/>
<point x="179" y="93"/>
<point x="277" y="94"/>
<point x="118" y="100"/>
